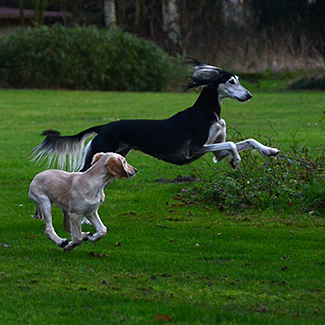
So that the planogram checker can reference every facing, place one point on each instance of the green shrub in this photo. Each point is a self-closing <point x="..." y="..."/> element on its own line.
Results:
<point x="309" y="83"/>
<point x="291" y="182"/>
<point x="82" y="58"/>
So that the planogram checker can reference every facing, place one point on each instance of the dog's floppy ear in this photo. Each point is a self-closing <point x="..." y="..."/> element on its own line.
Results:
<point x="202" y="74"/>
<point x="97" y="157"/>
<point x="116" y="167"/>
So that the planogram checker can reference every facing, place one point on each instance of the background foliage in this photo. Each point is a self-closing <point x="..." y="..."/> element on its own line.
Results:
<point x="249" y="35"/>
<point x="82" y="58"/>
<point x="245" y="36"/>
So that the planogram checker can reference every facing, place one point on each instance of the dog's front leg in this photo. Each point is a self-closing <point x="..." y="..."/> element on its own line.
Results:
<point x="101" y="230"/>
<point x="244" y="145"/>
<point x="221" y="150"/>
<point x="253" y="144"/>
<point x="76" y="233"/>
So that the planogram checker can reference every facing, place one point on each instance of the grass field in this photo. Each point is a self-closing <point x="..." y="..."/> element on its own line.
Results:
<point x="177" y="263"/>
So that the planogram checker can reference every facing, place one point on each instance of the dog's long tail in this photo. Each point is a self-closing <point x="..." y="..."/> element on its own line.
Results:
<point x="63" y="149"/>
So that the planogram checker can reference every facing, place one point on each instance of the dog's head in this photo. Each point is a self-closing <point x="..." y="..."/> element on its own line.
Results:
<point x="226" y="83"/>
<point x="115" y="164"/>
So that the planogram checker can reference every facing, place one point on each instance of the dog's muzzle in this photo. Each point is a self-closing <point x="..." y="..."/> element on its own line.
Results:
<point x="244" y="98"/>
<point x="132" y="172"/>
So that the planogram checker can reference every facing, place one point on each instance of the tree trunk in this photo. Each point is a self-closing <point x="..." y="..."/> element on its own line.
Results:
<point x="171" y="26"/>
<point x="109" y="13"/>
<point x="21" y="11"/>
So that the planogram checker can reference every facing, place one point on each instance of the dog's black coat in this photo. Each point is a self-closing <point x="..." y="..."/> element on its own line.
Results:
<point x="178" y="140"/>
<point x="173" y="140"/>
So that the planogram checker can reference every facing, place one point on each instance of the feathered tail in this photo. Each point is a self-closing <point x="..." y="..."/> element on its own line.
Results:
<point x="61" y="149"/>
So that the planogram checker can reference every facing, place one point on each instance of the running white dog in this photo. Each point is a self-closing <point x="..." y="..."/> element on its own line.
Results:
<point x="78" y="195"/>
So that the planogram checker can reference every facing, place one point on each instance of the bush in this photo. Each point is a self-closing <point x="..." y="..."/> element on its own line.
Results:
<point x="294" y="181"/>
<point x="309" y="83"/>
<point x="82" y="58"/>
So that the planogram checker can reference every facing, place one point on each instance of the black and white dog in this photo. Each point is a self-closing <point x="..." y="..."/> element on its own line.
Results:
<point x="179" y="139"/>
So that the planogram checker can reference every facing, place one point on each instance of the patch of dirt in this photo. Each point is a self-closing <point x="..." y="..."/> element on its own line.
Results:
<point x="178" y="179"/>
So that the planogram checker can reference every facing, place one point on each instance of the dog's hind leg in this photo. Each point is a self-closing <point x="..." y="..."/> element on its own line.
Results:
<point x="45" y="210"/>
<point x="101" y="230"/>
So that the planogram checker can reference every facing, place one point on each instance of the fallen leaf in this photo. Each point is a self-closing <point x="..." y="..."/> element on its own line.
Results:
<point x="264" y="309"/>
<point x="163" y="318"/>
<point x="92" y="254"/>
<point x="165" y="275"/>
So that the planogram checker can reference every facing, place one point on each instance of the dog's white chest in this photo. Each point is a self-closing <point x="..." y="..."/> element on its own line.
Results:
<point x="99" y="198"/>
<point x="93" y="203"/>
<point x="217" y="132"/>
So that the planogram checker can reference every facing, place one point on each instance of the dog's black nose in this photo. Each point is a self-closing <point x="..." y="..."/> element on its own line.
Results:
<point x="133" y="172"/>
<point x="249" y="95"/>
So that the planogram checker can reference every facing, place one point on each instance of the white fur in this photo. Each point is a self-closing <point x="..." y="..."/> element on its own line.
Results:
<point x="78" y="195"/>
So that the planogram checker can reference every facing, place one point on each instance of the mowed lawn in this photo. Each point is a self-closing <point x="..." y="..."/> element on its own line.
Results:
<point x="163" y="260"/>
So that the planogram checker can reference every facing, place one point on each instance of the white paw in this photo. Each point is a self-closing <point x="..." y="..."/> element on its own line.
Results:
<point x="64" y="242"/>
<point x="271" y="152"/>
<point x="86" y="235"/>
<point x="69" y="247"/>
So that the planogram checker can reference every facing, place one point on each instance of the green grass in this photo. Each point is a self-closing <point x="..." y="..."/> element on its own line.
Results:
<point x="182" y="263"/>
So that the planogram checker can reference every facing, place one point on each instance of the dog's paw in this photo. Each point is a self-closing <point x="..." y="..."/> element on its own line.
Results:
<point x="64" y="242"/>
<point x="86" y="236"/>
<point x="69" y="247"/>
<point x="272" y="152"/>
<point x="234" y="163"/>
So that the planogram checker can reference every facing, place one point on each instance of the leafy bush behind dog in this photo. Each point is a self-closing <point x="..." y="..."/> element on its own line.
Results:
<point x="293" y="181"/>
<point x="82" y="58"/>
<point x="309" y="83"/>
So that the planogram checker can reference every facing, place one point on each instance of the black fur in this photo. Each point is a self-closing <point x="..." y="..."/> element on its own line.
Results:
<point x="177" y="140"/>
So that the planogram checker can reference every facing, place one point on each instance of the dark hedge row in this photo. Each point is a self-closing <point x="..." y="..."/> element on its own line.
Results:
<point x="82" y="58"/>
<point x="309" y="83"/>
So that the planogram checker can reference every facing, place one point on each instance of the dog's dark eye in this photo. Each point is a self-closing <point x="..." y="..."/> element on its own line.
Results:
<point x="232" y="81"/>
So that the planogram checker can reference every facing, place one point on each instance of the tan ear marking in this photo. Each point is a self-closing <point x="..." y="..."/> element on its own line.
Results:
<point x="96" y="158"/>
<point x="115" y="166"/>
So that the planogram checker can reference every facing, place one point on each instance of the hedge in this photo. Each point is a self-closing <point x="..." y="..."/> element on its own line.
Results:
<point x="82" y="58"/>
<point x="309" y="83"/>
